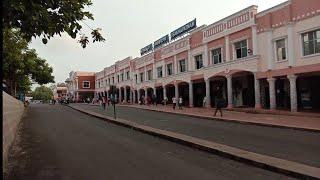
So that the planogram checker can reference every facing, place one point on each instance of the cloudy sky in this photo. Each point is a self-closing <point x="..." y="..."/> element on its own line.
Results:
<point x="129" y="25"/>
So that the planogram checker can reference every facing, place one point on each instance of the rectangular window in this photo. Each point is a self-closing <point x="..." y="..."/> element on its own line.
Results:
<point x="118" y="77"/>
<point x="136" y="77"/>
<point x="109" y="80"/>
<point x="311" y="42"/>
<point x="159" y="71"/>
<point x="149" y="75"/>
<point x="241" y="49"/>
<point x="199" y="61"/>
<point x="112" y="80"/>
<point x="169" y="69"/>
<point x="86" y="84"/>
<point x="122" y="77"/>
<point x="281" y="50"/>
<point x="216" y="56"/>
<point x="182" y="65"/>
<point x="128" y="75"/>
<point x="141" y="77"/>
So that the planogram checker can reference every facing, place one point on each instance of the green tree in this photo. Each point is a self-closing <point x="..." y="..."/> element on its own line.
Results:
<point x="49" y="18"/>
<point x="22" y="65"/>
<point x="42" y="93"/>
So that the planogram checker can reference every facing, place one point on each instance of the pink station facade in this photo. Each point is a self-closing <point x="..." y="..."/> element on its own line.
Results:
<point x="269" y="59"/>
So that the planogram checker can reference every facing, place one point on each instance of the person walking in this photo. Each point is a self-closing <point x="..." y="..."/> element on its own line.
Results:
<point x="108" y="100"/>
<point x="220" y="102"/>
<point x="174" y="102"/>
<point x="180" y="102"/>
<point x="165" y="100"/>
<point x="104" y="102"/>
<point x="204" y="101"/>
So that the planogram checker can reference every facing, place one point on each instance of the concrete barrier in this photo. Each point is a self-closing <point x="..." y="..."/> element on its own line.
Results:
<point x="12" y="113"/>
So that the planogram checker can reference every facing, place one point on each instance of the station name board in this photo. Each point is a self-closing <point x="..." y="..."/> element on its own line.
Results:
<point x="161" y="41"/>
<point x="183" y="29"/>
<point x="173" y="35"/>
<point x="146" y="49"/>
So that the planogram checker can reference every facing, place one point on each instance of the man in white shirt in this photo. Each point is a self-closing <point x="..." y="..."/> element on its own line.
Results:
<point x="174" y="102"/>
<point x="180" y="102"/>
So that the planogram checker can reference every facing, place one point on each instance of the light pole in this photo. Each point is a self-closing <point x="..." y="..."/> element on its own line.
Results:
<point x="113" y="101"/>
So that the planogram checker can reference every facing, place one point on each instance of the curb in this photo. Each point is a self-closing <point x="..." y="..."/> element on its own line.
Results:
<point x="230" y="120"/>
<point x="266" y="162"/>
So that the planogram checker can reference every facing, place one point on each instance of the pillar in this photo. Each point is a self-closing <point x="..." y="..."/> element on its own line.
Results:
<point x="291" y="56"/>
<point x="226" y="38"/>
<point x="125" y="94"/>
<point x="133" y="97"/>
<point x="229" y="90"/>
<point x="154" y="91"/>
<point x="138" y="93"/>
<point x="206" y="59"/>
<point x="190" y="94"/>
<point x="270" y="49"/>
<point x="255" y="50"/>
<point x="190" y="62"/>
<point x="257" y="92"/>
<point x="145" y="95"/>
<point x="164" y="92"/>
<point x="120" y="95"/>
<point x="293" y="92"/>
<point x="176" y="91"/>
<point x="208" y="103"/>
<point x="272" y="93"/>
<point x="175" y="65"/>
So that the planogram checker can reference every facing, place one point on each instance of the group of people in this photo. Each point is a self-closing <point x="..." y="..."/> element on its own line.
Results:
<point x="177" y="101"/>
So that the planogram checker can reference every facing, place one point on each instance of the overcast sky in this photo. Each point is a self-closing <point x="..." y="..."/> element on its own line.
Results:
<point x="129" y="25"/>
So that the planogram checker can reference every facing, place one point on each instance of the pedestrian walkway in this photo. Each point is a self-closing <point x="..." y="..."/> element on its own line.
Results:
<point x="300" y="122"/>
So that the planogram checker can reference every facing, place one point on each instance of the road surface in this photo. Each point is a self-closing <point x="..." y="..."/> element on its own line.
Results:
<point x="57" y="142"/>
<point x="294" y="145"/>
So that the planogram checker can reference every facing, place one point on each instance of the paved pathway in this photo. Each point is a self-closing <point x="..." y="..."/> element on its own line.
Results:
<point x="289" y="144"/>
<point x="309" y="121"/>
<point x="56" y="142"/>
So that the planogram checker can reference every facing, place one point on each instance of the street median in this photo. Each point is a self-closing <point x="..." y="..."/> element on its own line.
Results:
<point x="266" y="162"/>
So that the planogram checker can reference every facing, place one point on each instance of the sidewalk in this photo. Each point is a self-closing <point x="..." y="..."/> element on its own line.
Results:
<point x="297" y="122"/>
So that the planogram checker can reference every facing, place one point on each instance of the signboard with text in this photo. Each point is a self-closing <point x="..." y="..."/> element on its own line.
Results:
<point x="161" y="41"/>
<point x="183" y="29"/>
<point x="146" y="49"/>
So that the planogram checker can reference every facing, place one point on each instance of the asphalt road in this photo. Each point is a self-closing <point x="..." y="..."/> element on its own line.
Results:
<point x="56" y="142"/>
<point x="294" y="145"/>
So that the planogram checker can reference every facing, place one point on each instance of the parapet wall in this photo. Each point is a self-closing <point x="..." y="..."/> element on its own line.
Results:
<point x="12" y="113"/>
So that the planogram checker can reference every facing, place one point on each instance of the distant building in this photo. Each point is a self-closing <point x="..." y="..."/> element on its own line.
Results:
<point x="59" y="92"/>
<point x="80" y="85"/>
<point x="268" y="59"/>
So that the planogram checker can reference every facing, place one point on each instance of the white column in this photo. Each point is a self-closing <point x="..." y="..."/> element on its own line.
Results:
<point x="107" y="93"/>
<point x="205" y="60"/>
<point x="154" y="91"/>
<point x="291" y="56"/>
<point x="154" y="71"/>
<point x="125" y="94"/>
<point x="190" y="62"/>
<point x="77" y="96"/>
<point x="145" y="95"/>
<point x="226" y="39"/>
<point x="145" y="73"/>
<point x="272" y="93"/>
<point x="293" y="92"/>
<point x="133" y="97"/>
<point x="270" y="49"/>
<point x="229" y="89"/>
<point x="120" y="95"/>
<point x="176" y="91"/>
<point x="208" y="102"/>
<point x="255" y="50"/>
<point x="175" y="65"/>
<point x="257" y="91"/>
<point x="164" y="91"/>
<point x="138" y="92"/>
<point x="190" y="94"/>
